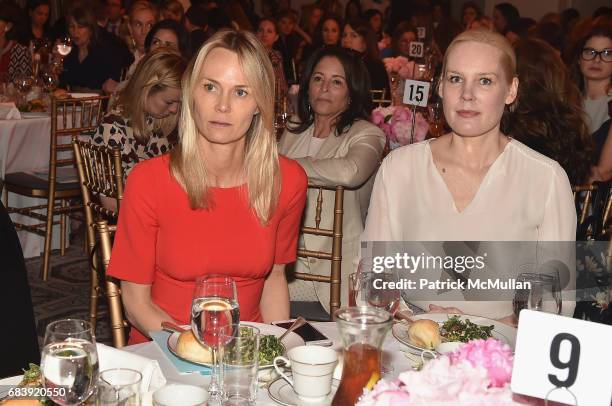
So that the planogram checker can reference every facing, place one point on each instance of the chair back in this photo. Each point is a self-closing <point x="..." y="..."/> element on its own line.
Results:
<point x="593" y="208"/>
<point x="334" y="255"/>
<point x="69" y="118"/>
<point x="379" y="98"/>
<point x="113" y="291"/>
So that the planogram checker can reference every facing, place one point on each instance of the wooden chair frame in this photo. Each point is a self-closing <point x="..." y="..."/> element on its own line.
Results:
<point x="76" y="116"/>
<point x="593" y="209"/>
<point x="113" y="290"/>
<point x="379" y="98"/>
<point x="335" y="255"/>
<point x="100" y="173"/>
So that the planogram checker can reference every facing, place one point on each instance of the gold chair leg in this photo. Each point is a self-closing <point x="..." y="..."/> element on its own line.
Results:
<point x="48" y="237"/>
<point x="63" y="231"/>
<point x="93" y="300"/>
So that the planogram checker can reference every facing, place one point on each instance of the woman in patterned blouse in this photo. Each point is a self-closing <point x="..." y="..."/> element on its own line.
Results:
<point x="267" y="32"/>
<point x="14" y="57"/>
<point x="143" y="121"/>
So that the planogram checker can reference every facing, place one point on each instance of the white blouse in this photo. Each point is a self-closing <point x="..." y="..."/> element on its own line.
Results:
<point x="524" y="196"/>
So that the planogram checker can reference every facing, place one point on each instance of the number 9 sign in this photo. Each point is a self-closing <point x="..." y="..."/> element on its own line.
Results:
<point x="555" y="352"/>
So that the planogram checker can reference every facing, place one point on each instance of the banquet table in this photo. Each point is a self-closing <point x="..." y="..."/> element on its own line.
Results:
<point x="24" y="147"/>
<point x="393" y="356"/>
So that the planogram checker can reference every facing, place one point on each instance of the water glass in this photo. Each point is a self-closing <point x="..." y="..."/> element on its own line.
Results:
<point x="539" y="291"/>
<point x="120" y="386"/>
<point x="239" y="363"/>
<point x="69" y="361"/>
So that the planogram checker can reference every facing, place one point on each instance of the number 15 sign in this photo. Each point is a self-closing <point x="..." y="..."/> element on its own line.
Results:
<point x="560" y="352"/>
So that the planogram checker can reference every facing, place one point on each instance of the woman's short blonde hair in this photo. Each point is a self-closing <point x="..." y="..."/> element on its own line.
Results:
<point x="159" y="70"/>
<point x="484" y="36"/>
<point x="261" y="165"/>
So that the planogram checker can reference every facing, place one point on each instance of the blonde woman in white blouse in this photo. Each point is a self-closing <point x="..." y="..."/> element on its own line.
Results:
<point x="475" y="183"/>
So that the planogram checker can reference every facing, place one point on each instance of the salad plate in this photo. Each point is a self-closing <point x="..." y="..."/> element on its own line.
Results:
<point x="500" y="331"/>
<point x="290" y="341"/>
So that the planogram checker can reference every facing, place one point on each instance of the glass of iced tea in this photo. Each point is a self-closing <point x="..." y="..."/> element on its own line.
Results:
<point x="363" y="330"/>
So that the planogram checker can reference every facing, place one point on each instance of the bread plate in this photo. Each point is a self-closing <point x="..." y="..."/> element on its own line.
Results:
<point x="290" y="341"/>
<point x="501" y="331"/>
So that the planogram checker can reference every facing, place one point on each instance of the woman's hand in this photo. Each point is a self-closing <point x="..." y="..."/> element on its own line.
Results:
<point x="440" y="309"/>
<point x="139" y="308"/>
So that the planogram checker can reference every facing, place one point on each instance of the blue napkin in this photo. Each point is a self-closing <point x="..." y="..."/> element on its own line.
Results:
<point x="161" y="339"/>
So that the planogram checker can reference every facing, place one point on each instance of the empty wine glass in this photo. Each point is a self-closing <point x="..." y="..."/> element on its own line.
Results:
<point x="49" y="81"/>
<point x="23" y="83"/>
<point x="69" y="362"/>
<point x="63" y="46"/>
<point x="539" y="290"/>
<point x="214" y="310"/>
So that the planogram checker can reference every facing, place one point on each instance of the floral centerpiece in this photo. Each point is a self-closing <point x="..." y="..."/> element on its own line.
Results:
<point x="396" y="123"/>
<point x="476" y="374"/>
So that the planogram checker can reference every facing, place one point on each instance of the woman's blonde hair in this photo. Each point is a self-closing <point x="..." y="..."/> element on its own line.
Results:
<point x="159" y="70"/>
<point x="261" y="166"/>
<point x="484" y="36"/>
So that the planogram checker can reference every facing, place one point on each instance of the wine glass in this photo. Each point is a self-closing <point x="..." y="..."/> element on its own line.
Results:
<point x="69" y="362"/>
<point x="23" y="82"/>
<point x="214" y="310"/>
<point x="63" y="46"/>
<point x="539" y="290"/>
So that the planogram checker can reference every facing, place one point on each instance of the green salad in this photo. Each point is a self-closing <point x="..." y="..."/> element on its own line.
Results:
<point x="270" y="347"/>
<point x="455" y="329"/>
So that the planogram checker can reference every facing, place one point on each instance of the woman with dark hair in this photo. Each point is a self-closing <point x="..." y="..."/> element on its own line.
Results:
<point x="375" y="19"/>
<point x="169" y="34"/>
<point x="591" y="68"/>
<point x="358" y="36"/>
<point x="505" y="15"/>
<point x="327" y="33"/>
<point x="547" y="115"/>
<point x="38" y="19"/>
<point x="15" y="57"/>
<point x="404" y="34"/>
<point x="91" y="61"/>
<point x="352" y="10"/>
<point x="267" y="32"/>
<point x="335" y="143"/>
<point x="469" y="12"/>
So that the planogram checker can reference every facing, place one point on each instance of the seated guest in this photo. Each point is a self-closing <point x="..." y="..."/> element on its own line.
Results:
<point x="141" y="18"/>
<point x="359" y="37"/>
<point x="592" y="72"/>
<point x="289" y="43"/>
<point x="327" y="33"/>
<point x="404" y="34"/>
<point x="222" y="190"/>
<point x="474" y="183"/>
<point x="20" y="348"/>
<point x="92" y="60"/>
<point x="505" y="16"/>
<point x="267" y="32"/>
<point x="169" y="34"/>
<point x="196" y="24"/>
<point x="469" y="12"/>
<point x="38" y="12"/>
<point x="15" y="59"/>
<point x="173" y="10"/>
<point x="334" y="142"/>
<point x="547" y="115"/>
<point x="115" y="10"/>
<point x="145" y="114"/>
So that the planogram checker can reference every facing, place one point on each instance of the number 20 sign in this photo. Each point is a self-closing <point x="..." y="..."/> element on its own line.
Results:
<point x="560" y="352"/>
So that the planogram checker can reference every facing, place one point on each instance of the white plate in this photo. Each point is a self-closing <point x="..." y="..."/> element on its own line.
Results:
<point x="500" y="331"/>
<point x="281" y="392"/>
<point x="290" y="341"/>
<point x="6" y="383"/>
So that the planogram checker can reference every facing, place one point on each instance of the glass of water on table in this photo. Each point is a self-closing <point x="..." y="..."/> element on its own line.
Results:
<point x="69" y="362"/>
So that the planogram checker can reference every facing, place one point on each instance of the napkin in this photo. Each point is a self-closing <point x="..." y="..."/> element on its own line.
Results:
<point x="161" y="339"/>
<point x="8" y="111"/>
<point x="152" y="376"/>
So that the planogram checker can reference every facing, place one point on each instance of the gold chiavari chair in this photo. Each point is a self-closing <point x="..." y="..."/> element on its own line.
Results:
<point x="100" y="177"/>
<point x="335" y="254"/>
<point x="583" y="196"/>
<point x="379" y="98"/>
<point x="593" y="209"/>
<point x="69" y="117"/>
<point x="113" y="291"/>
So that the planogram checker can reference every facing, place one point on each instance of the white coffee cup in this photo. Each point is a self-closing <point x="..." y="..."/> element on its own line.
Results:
<point x="312" y="368"/>
<point x="180" y="395"/>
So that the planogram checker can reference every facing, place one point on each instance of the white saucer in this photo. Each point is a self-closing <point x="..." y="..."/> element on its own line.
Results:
<point x="282" y="393"/>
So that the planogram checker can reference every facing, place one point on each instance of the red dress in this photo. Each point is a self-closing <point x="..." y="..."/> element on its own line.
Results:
<point x="162" y="242"/>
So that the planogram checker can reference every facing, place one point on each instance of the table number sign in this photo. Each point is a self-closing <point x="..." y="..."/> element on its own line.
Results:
<point x="416" y="49"/>
<point x="416" y="93"/>
<point x="421" y="32"/>
<point x="563" y="359"/>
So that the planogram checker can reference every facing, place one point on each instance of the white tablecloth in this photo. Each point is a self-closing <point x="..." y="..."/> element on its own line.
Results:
<point x="24" y="147"/>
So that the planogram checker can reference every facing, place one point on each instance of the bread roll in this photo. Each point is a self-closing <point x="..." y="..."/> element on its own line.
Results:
<point x="189" y="348"/>
<point x="424" y="333"/>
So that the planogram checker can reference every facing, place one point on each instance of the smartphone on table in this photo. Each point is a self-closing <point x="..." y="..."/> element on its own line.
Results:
<point x="309" y="333"/>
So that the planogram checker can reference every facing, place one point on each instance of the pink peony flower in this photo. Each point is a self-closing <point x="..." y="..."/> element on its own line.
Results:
<point x="493" y="355"/>
<point x="407" y="71"/>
